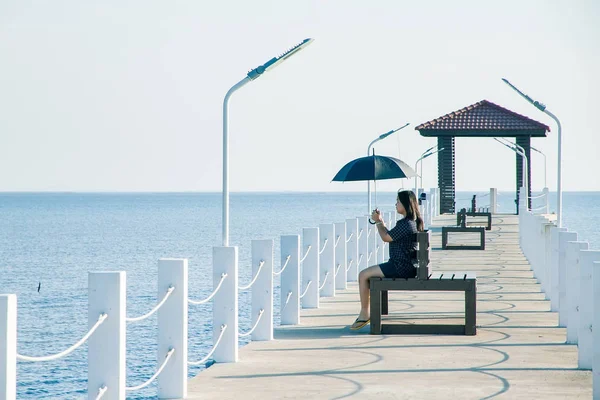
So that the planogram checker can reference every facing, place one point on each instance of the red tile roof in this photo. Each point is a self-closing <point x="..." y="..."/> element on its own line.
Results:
<point x="483" y="118"/>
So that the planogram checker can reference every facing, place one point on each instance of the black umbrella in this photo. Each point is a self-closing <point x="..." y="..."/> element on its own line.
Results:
<point x="374" y="168"/>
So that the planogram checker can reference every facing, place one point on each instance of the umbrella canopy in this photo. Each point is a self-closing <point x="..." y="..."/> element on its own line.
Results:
<point x="372" y="168"/>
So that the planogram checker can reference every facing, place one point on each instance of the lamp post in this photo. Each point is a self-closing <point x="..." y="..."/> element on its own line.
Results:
<point x="538" y="151"/>
<point x="520" y="151"/>
<point x="429" y="152"/>
<point x="252" y="75"/>
<point x="542" y="108"/>
<point x="380" y="137"/>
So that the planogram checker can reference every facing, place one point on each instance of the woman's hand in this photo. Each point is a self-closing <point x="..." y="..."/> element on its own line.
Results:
<point x="376" y="216"/>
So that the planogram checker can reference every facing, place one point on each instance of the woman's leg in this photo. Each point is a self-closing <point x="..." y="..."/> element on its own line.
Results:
<point x="363" y="288"/>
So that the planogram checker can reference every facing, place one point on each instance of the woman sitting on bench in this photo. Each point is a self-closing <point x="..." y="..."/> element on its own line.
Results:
<point x="402" y="250"/>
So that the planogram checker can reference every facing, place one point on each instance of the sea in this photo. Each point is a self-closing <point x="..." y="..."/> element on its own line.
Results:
<point x="52" y="240"/>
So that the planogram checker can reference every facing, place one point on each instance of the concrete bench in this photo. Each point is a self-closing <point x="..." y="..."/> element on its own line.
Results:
<point x="425" y="281"/>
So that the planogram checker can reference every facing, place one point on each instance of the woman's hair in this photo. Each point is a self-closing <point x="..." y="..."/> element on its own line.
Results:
<point x="410" y="204"/>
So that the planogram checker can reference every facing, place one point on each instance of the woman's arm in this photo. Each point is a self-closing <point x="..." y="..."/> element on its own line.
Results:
<point x="383" y="232"/>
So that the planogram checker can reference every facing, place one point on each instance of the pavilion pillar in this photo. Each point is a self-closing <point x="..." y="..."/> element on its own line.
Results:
<point x="446" y="174"/>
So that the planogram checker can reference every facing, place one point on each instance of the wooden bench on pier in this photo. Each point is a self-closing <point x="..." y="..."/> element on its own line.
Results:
<point x="475" y="213"/>
<point x="463" y="228"/>
<point x="425" y="281"/>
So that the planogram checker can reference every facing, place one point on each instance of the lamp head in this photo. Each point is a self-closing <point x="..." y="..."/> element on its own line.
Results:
<point x="537" y="104"/>
<point x="275" y="61"/>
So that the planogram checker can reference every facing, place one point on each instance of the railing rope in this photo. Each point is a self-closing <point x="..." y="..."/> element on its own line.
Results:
<point x="359" y="234"/>
<point x="324" y="247"/>
<point x="369" y="256"/>
<point x="287" y="260"/>
<point x="324" y="281"/>
<point x="153" y="377"/>
<point x="101" y="392"/>
<point x="223" y="328"/>
<point x="198" y="302"/>
<point x="155" y="309"/>
<point x="336" y="241"/>
<point x="101" y="319"/>
<point x="350" y="237"/>
<point x="260" y="314"/>
<point x="305" y="254"/>
<point x="287" y="299"/>
<point x="306" y="289"/>
<point x="337" y="269"/>
<point x="260" y="265"/>
<point x="538" y="197"/>
<point x="349" y="265"/>
<point x="360" y="259"/>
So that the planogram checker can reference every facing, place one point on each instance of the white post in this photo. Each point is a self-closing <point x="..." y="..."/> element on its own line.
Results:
<point x="106" y="347"/>
<point x="572" y="267"/>
<point x="586" y="308"/>
<point x="425" y="213"/>
<point x="363" y="242"/>
<point x="310" y="268"/>
<point x="290" y="280"/>
<point x="327" y="259"/>
<point x="554" y="270"/>
<point x="563" y="239"/>
<point x="373" y="245"/>
<point x="262" y="289"/>
<point x="8" y="346"/>
<point x="390" y="222"/>
<point x="596" y="332"/>
<point x="173" y="327"/>
<point x="380" y="244"/>
<point x="493" y="200"/>
<point x="546" y="193"/>
<point x="225" y="303"/>
<point x="547" y="259"/>
<point x="352" y="248"/>
<point x="340" y="256"/>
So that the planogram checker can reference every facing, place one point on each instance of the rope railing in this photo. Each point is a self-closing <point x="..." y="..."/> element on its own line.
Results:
<point x="260" y="314"/>
<point x="305" y="254"/>
<point x="538" y="208"/>
<point x="370" y="256"/>
<point x="324" y="281"/>
<point x="287" y="260"/>
<point x="155" y="309"/>
<point x="337" y="269"/>
<point x="260" y="265"/>
<point x="324" y="247"/>
<point x="223" y="328"/>
<point x="349" y="265"/>
<point x="359" y="259"/>
<point x="537" y="197"/>
<point x="101" y="391"/>
<point x="336" y="241"/>
<point x="287" y="299"/>
<point x="153" y="377"/>
<point x="350" y="237"/>
<point x="101" y="319"/>
<point x="369" y="233"/>
<point x="198" y="302"/>
<point x="306" y="289"/>
<point x="359" y="234"/>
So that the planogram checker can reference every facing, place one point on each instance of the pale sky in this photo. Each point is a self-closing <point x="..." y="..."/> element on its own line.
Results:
<point x="127" y="95"/>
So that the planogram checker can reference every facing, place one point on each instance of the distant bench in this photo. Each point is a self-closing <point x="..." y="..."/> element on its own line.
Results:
<point x="461" y="221"/>
<point x="471" y="213"/>
<point x="448" y="281"/>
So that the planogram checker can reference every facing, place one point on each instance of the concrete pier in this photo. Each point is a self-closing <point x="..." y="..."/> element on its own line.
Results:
<point x="519" y="351"/>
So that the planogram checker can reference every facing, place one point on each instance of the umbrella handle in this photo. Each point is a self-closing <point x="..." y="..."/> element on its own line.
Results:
<point x="372" y="222"/>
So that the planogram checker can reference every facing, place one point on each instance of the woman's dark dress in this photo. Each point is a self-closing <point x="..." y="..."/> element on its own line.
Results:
<point x="402" y="251"/>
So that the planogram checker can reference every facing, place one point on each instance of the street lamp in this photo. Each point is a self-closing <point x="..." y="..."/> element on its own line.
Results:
<point x="429" y="152"/>
<point x="383" y="136"/>
<point x="520" y="151"/>
<point x="542" y="108"/>
<point x="252" y="75"/>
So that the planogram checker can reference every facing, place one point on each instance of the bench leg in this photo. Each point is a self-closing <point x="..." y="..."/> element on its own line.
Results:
<point x="482" y="239"/>
<point x="471" y="310"/>
<point x="375" y="311"/>
<point x="384" y="302"/>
